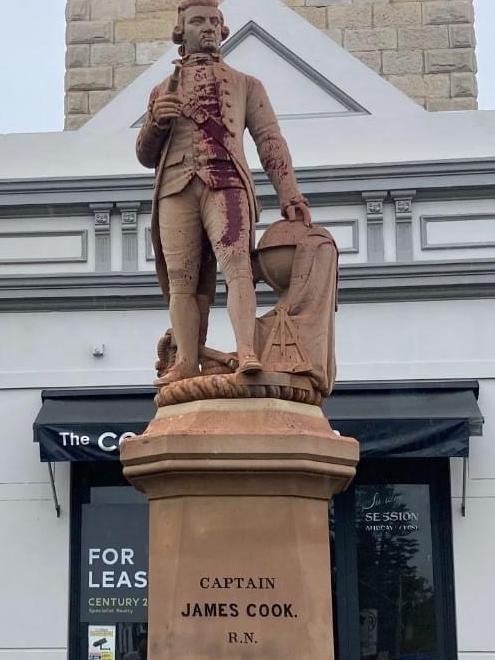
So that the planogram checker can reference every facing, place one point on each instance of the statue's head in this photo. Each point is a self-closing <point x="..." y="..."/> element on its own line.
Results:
<point x="200" y="27"/>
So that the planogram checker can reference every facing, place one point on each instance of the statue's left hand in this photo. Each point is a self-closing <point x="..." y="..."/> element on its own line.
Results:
<point x="298" y="211"/>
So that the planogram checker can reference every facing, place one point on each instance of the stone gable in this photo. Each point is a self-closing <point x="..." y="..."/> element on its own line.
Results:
<point x="426" y="48"/>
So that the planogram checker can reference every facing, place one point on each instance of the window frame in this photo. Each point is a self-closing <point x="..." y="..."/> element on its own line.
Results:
<point x="84" y="476"/>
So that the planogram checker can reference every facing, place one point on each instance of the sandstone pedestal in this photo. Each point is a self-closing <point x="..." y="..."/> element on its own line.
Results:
<point x="239" y="538"/>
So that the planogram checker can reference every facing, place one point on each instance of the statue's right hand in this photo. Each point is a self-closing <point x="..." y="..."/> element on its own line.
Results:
<point x="165" y="108"/>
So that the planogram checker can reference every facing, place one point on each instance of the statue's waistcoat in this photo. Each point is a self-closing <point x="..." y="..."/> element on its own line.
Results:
<point x="193" y="150"/>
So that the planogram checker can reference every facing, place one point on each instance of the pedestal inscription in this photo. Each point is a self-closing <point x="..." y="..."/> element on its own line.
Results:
<point x="255" y="578"/>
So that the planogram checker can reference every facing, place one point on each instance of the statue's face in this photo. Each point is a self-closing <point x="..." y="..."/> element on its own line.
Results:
<point x="202" y="30"/>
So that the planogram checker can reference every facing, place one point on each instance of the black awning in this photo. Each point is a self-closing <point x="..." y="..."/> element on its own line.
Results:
<point x="419" y="419"/>
<point x="391" y="420"/>
<point x="87" y="425"/>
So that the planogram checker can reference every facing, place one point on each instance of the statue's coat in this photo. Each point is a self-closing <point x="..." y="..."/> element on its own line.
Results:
<point x="244" y="104"/>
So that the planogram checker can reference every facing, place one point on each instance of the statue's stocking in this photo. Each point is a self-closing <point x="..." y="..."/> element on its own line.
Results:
<point x="241" y="304"/>
<point x="185" y="317"/>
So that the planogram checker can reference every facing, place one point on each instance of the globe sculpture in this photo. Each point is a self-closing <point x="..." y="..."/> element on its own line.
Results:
<point x="275" y="253"/>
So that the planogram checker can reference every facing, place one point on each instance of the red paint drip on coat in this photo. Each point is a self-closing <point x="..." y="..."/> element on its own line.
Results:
<point x="221" y="169"/>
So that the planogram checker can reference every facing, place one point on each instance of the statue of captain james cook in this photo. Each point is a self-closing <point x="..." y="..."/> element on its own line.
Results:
<point x="205" y="205"/>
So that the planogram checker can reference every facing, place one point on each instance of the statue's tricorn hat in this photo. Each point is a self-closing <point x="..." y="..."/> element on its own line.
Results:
<point x="178" y="33"/>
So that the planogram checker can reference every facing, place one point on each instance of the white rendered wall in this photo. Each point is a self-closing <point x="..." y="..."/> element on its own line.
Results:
<point x="44" y="350"/>
<point x="34" y="551"/>
<point x="386" y="341"/>
<point x="474" y="539"/>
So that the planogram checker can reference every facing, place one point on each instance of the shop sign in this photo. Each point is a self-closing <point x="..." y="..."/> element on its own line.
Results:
<point x="384" y="511"/>
<point x="67" y="444"/>
<point x="114" y="563"/>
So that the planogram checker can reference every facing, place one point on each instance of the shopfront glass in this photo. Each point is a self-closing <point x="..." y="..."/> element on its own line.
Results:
<point x="395" y="572"/>
<point x="112" y="564"/>
<point x="393" y="563"/>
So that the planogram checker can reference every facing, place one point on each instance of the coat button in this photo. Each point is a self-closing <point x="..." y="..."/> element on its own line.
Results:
<point x="228" y="104"/>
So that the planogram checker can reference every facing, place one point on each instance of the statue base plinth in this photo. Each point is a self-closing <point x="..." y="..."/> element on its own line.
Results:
<point x="239" y="536"/>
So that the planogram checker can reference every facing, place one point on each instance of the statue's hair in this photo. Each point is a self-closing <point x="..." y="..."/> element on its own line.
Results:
<point x="185" y="4"/>
<point x="178" y="33"/>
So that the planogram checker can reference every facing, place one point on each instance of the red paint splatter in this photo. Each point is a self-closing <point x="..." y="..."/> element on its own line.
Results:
<point x="222" y="173"/>
<point x="233" y="210"/>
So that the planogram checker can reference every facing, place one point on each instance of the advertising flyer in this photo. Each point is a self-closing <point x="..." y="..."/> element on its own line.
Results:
<point x="101" y="643"/>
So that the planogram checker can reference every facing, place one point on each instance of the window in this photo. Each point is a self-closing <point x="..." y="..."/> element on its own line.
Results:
<point x="393" y="558"/>
<point x="109" y="558"/>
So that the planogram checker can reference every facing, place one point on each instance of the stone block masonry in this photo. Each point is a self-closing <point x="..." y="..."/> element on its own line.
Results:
<point x="424" y="47"/>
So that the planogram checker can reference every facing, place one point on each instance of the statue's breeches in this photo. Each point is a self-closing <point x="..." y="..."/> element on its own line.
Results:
<point x="187" y="217"/>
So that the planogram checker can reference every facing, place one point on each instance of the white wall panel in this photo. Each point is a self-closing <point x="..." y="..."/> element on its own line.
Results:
<point x="431" y="339"/>
<point x="42" y="247"/>
<point x="482" y="458"/>
<point x="59" y="351"/>
<point x="21" y="473"/>
<point x="472" y="230"/>
<point x="474" y="550"/>
<point x="34" y="552"/>
<point x="437" y="339"/>
<point x="481" y="466"/>
<point x="474" y="537"/>
<point x="450" y="230"/>
<point x="47" y="250"/>
<point x="34" y="568"/>
<point x="476" y="487"/>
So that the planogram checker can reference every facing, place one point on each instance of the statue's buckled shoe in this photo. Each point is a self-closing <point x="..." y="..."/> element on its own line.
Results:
<point x="249" y="365"/>
<point x="176" y="373"/>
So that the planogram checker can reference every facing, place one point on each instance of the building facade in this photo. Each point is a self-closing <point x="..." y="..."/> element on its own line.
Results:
<point x="410" y="198"/>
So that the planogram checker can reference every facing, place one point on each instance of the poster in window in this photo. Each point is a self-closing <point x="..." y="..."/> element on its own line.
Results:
<point x="114" y="563"/>
<point x="101" y="643"/>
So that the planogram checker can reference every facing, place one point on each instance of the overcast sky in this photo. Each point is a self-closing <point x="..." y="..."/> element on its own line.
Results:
<point x="32" y="63"/>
